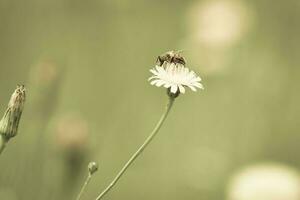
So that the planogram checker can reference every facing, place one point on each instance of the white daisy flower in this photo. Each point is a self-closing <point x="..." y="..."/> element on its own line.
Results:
<point x="175" y="77"/>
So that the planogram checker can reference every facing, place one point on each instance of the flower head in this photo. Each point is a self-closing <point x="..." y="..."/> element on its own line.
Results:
<point x="175" y="77"/>
<point x="10" y="121"/>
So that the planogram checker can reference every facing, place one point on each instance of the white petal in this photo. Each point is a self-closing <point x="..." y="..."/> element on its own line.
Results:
<point x="160" y="69"/>
<point x="181" y="89"/>
<point x="160" y="83"/>
<point x="153" y="82"/>
<point x="197" y="78"/>
<point x="192" y="88"/>
<point x="167" y="85"/>
<point x="157" y="67"/>
<point x="153" y="72"/>
<point x="174" y="88"/>
<point x="198" y="85"/>
<point x="152" y="77"/>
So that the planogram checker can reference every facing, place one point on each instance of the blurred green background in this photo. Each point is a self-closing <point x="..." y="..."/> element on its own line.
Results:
<point x="85" y="65"/>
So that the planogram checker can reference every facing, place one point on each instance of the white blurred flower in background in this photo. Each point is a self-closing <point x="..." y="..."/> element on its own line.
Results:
<point x="219" y="23"/>
<point x="214" y="28"/>
<point x="265" y="182"/>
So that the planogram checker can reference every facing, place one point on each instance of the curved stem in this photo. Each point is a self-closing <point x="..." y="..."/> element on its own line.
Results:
<point x="140" y="149"/>
<point x="84" y="186"/>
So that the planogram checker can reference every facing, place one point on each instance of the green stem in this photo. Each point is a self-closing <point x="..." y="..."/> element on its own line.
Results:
<point x="84" y="186"/>
<point x="3" y="142"/>
<point x="140" y="149"/>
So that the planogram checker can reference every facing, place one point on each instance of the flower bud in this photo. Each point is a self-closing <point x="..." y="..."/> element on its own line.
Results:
<point x="92" y="167"/>
<point x="10" y="121"/>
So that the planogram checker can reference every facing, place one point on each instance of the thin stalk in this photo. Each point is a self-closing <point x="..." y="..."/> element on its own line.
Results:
<point x="140" y="149"/>
<point x="88" y="179"/>
<point x="2" y="143"/>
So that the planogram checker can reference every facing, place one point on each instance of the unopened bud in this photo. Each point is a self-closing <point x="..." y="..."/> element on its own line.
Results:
<point x="92" y="167"/>
<point x="10" y="122"/>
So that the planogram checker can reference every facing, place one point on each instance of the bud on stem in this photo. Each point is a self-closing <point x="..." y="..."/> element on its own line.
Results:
<point x="10" y="121"/>
<point x="92" y="167"/>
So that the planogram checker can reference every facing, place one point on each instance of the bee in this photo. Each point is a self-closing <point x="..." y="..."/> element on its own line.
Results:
<point x="170" y="57"/>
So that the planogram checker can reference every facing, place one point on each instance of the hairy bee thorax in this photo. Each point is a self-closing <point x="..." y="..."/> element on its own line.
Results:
<point x="170" y="57"/>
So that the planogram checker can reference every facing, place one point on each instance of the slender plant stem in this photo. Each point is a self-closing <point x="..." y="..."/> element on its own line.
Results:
<point x="2" y="143"/>
<point x="140" y="149"/>
<point x="84" y="186"/>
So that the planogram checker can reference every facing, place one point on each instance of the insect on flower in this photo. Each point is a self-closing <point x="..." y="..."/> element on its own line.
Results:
<point x="170" y="72"/>
<point x="170" y="57"/>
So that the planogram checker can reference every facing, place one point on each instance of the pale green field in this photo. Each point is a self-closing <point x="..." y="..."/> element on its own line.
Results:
<point x="85" y="65"/>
